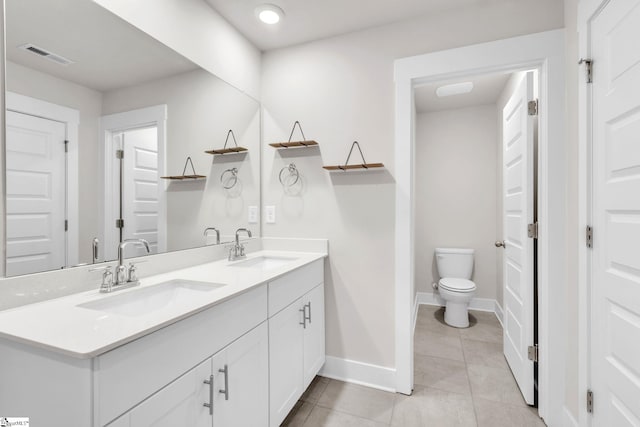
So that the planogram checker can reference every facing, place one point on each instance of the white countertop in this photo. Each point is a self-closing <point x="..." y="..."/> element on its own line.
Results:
<point x="61" y="326"/>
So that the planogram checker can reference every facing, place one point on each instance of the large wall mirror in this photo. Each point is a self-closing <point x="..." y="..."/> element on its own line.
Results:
<point x="97" y="113"/>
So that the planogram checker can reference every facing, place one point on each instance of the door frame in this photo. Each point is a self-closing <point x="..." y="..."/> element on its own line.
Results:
<point x="71" y="119"/>
<point x="544" y="51"/>
<point x="119" y="122"/>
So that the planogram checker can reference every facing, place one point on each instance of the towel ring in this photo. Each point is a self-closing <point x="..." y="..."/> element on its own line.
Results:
<point x="233" y="177"/>
<point x="293" y="171"/>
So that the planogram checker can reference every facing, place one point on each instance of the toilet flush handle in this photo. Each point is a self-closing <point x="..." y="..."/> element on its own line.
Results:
<point x="500" y="244"/>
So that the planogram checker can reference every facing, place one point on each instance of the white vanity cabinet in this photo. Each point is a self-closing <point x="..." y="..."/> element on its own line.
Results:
<point x="229" y="389"/>
<point x="296" y="337"/>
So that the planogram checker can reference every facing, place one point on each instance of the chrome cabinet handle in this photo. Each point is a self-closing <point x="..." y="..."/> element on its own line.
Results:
<point x="303" y="310"/>
<point x="500" y="244"/>
<point x="225" y="371"/>
<point x="210" y="404"/>
<point x="308" y="305"/>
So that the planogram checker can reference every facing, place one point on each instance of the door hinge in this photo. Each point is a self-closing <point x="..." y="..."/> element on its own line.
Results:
<point x="590" y="401"/>
<point x="532" y="230"/>
<point x="119" y="223"/>
<point x="119" y="154"/>
<point x="66" y="225"/>
<point x="588" y="67"/>
<point x="589" y="235"/>
<point x="532" y="107"/>
<point x="66" y="146"/>
<point x="532" y="352"/>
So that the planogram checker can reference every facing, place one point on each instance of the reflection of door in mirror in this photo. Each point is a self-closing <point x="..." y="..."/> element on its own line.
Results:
<point x="134" y="146"/>
<point x="39" y="204"/>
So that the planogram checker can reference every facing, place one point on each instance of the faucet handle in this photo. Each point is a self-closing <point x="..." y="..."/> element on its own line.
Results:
<point x="132" y="276"/>
<point x="107" y="278"/>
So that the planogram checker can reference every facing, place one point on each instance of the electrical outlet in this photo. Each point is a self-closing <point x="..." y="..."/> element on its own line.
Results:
<point x="270" y="213"/>
<point x="253" y="215"/>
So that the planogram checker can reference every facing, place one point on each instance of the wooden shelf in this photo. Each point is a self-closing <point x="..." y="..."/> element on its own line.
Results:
<point x="232" y="150"/>
<point x="364" y="166"/>
<point x="294" y="144"/>
<point x="184" y="177"/>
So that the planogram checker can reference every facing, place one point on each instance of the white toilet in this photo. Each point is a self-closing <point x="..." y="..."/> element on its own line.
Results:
<point x="455" y="267"/>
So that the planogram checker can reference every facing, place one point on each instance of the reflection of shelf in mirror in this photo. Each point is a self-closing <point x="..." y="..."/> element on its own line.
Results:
<point x="365" y="166"/>
<point x="232" y="150"/>
<point x="184" y="177"/>
<point x="294" y="144"/>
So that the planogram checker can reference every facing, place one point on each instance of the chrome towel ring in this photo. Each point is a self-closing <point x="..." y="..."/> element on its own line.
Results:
<point x="293" y="172"/>
<point x="229" y="178"/>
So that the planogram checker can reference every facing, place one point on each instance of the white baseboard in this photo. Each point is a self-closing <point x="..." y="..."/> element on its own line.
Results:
<point x="568" y="420"/>
<point x="359" y="373"/>
<point x="480" y="304"/>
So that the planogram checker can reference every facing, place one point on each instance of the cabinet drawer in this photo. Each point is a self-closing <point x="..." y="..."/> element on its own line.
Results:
<point x="288" y="288"/>
<point x="127" y="375"/>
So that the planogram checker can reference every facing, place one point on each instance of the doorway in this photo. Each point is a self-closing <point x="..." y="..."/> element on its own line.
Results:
<point x="544" y="52"/>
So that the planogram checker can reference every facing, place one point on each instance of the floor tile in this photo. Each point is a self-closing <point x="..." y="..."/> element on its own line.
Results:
<point x="443" y="374"/>
<point x="298" y="414"/>
<point x="495" y="384"/>
<point x="483" y="330"/>
<point x="484" y="353"/>
<point x="323" y="417"/>
<point x="315" y="389"/>
<point x="429" y="343"/>
<point x="431" y="407"/>
<point x="364" y="402"/>
<point x="494" y="414"/>
<point x="431" y="318"/>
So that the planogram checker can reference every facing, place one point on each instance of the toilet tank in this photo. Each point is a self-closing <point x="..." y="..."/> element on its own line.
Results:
<point x="454" y="262"/>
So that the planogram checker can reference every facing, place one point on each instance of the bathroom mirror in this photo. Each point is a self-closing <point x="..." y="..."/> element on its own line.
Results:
<point x="84" y="86"/>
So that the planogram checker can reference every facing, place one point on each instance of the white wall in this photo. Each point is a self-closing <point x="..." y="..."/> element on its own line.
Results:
<point x="33" y="83"/>
<point x="456" y="192"/>
<point x="193" y="29"/>
<point x="200" y="111"/>
<point x="341" y="89"/>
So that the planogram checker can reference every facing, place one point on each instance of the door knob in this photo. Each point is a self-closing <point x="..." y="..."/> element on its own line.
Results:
<point x="500" y="244"/>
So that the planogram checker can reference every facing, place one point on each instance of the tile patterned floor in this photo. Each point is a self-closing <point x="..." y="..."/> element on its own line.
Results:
<point x="461" y="379"/>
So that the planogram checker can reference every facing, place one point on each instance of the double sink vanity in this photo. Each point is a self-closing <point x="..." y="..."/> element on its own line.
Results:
<point x="224" y="343"/>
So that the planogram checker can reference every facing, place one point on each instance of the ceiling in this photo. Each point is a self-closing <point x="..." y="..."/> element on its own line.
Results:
<point x="486" y="90"/>
<point x="108" y="52"/>
<point x="307" y="20"/>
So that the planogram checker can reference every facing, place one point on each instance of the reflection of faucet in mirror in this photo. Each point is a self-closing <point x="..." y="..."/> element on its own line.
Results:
<point x="122" y="277"/>
<point x="95" y="245"/>
<point x="237" y="251"/>
<point x="206" y="233"/>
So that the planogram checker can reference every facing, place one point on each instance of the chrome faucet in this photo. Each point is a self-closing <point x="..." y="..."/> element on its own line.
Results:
<point x="237" y="251"/>
<point x="206" y="232"/>
<point x="122" y="277"/>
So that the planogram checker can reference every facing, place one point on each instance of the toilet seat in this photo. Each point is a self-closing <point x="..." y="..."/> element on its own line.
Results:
<point x="457" y="285"/>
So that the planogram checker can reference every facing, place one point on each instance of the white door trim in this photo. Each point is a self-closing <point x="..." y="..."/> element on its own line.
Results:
<point x="110" y="124"/>
<point x="71" y="118"/>
<point x="544" y="51"/>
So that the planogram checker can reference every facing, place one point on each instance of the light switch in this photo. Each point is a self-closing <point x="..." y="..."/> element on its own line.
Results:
<point x="253" y="215"/>
<point x="270" y="213"/>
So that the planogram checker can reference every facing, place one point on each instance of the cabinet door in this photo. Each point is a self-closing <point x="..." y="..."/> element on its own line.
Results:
<point x="178" y="404"/>
<point x="241" y="380"/>
<point x="314" y="354"/>
<point x="285" y="361"/>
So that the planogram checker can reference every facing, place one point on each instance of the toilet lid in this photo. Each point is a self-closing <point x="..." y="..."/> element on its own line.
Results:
<point x="457" y="285"/>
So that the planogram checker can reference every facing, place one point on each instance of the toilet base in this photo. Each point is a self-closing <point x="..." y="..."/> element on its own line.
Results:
<point x="456" y="314"/>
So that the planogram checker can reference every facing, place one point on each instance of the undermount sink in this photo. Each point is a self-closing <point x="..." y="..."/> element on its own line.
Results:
<point x="264" y="262"/>
<point x="152" y="298"/>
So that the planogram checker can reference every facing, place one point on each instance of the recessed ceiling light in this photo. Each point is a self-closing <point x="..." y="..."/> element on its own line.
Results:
<point x="269" y="13"/>
<point x="454" y="89"/>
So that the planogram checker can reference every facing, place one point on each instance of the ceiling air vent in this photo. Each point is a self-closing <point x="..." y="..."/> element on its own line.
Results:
<point x="46" y="54"/>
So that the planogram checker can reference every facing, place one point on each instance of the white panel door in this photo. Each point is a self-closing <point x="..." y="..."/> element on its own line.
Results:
<point x="36" y="194"/>
<point x="242" y="381"/>
<point x="615" y="280"/>
<point x="141" y="206"/>
<point x="286" y="341"/>
<point x="314" y="339"/>
<point x="518" y="173"/>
